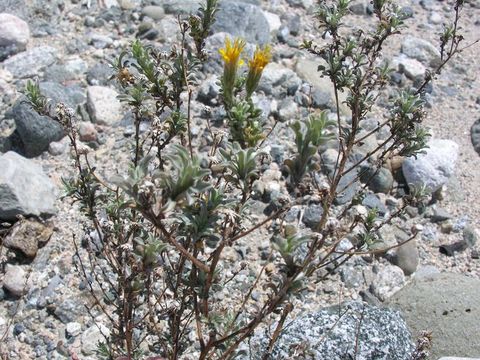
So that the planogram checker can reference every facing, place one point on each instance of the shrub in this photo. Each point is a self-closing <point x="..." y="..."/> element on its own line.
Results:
<point x="163" y="226"/>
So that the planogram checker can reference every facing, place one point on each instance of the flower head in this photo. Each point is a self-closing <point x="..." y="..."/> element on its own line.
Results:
<point x="231" y="56"/>
<point x="231" y="52"/>
<point x="260" y="59"/>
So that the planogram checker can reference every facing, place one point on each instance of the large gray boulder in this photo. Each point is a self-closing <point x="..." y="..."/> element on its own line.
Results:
<point x="24" y="188"/>
<point x="433" y="168"/>
<point x="334" y="332"/>
<point x="29" y="63"/>
<point x="243" y="20"/>
<point x="447" y="305"/>
<point x="35" y="131"/>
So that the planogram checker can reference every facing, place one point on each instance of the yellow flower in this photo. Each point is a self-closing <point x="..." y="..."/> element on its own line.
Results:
<point x="231" y="53"/>
<point x="260" y="59"/>
<point x="231" y="56"/>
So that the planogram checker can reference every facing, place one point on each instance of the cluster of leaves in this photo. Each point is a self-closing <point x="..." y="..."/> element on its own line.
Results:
<point x="34" y="96"/>
<point x="309" y="135"/>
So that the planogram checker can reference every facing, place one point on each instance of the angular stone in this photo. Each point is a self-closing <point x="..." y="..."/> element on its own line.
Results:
<point x="87" y="131"/>
<point x="26" y="235"/>
<point x="92" y="336"/>
<point x="103" y="105"/>
<point x="24" y="188"/>
<point x="412" y="68"/>
<point x="389" y="280"/>
<point x="35" y="131"/>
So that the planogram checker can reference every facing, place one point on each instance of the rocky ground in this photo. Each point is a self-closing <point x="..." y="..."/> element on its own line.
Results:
<point x="66" y="45"/>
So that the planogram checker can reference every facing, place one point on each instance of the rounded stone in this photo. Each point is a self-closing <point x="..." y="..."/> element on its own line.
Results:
<point x="14" y="32"/>
<point x="447" y="305"/>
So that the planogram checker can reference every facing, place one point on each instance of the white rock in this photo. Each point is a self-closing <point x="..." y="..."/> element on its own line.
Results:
<point x="273" y="21"/>
<point x="92" y="336"/>
<point x="389" y="280"/>
<point x="412" y="68"/>
<point x="73" y="328"/>
<point x="110" y="3"/>
<point x="435" y="18"/>
<point x="457" y="358"/>
<point x="434" y="168"/>
<point x="13" y="31"/>
<point x="103" y="105"/>
<point x="15" y="280"/>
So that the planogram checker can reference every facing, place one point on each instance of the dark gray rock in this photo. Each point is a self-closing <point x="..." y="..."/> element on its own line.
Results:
<point x="243" y="20"/>
<point x="99" y="74"/>
<point x="372" y="201"/>
<point x="446" y="304"/>
<point x="312" y="215"/>
<point x="380" y="181"/>
<point x="72" y="70"/>
<point x="24" y="188"/>
<point x="440" y="215"/>
<point x="300" y="3"/>
<point x="69" y="310"/>
<point x="406" y="257"/>
<point x="475" y="135"/>
<point x="209" y="91"/>
<point x="359" y="8"/>
<point x="35" y="131"/>
<point x="333" y="333"/>
<point x="277" y="151"/>
<point x="347" y="188"/>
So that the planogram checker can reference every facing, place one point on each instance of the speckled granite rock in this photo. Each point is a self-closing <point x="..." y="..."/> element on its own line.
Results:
<point x="382" y="335"/>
